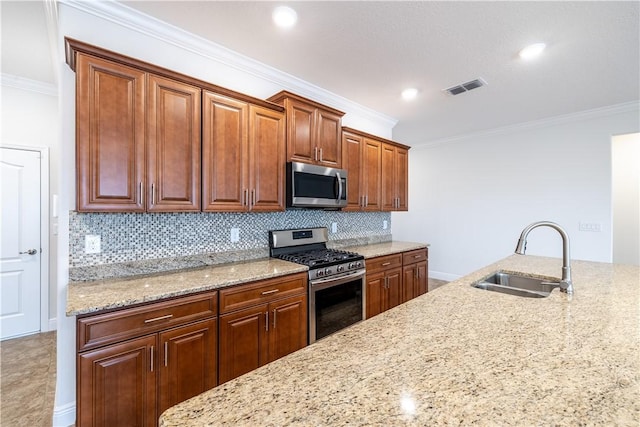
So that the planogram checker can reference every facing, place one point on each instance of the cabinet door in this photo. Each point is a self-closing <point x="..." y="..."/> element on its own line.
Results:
<point x="351" y="161"/>
<point x="328" y="141"/>
<point x="173" y="146"/>
<point x="224" y="154"/>
<point x="394" y="288"/>
<point x="388" y="162"/>
<point x="422" y="277"/>
<point x="288" y="326"/>
<point x="110" y="139"/>
<point x="402" y="178"/>
<point x="243" y="342"/>
<point x="371" y="174"/>
<point x="409" y="283"/>
<point x="117" y="384"/>
<point x="375" y="294"/>
<point x="300" y="139"/>
<point x="187" y="363"/>
<point x="266" y="159"/>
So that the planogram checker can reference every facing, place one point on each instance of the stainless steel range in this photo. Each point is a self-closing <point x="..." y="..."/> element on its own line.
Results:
<point x="336" y="278"/>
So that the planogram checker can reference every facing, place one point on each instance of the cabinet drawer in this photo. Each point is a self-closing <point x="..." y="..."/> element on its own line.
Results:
<point x="414" y="256"/>
<point x="248" y="295"/>
<point x="102" y="329"/>
<point x="384" y="263"/>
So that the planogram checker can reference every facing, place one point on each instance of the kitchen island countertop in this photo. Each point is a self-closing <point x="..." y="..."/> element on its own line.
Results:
<point x="457" y="356"/>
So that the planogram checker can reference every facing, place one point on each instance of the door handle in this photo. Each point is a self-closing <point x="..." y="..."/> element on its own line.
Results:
<point x="29" y="252"/>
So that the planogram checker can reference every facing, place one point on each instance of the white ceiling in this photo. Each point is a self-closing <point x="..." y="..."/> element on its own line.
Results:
<point x="368" y="52"/>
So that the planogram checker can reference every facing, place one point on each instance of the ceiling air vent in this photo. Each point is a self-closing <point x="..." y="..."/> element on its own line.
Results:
<point x="465" y="87"/>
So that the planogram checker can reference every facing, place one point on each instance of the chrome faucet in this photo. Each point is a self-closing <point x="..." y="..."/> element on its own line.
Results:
<point x="565" y="283"/>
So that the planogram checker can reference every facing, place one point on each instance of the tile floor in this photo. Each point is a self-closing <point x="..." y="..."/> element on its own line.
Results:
<point x="28" y="377"/>
<point x="28" y="380"/>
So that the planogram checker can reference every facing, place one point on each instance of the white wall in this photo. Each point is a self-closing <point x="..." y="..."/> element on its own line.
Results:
<point x="30" y="119"/>
<point x="471" y="197"/>
<point x="626" y="198"/>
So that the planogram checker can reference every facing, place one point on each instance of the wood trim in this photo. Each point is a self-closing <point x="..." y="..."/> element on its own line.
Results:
<point x="72" y="47"/>
<point x="279" y="98"/>
<point x="370" y="136"/>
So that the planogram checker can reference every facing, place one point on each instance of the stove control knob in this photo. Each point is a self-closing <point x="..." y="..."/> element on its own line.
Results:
<point x="352" y="265"/>
<point x="327" y="271"/>
<point x="319" y="273"/>
<point x="359" y="264"/>
<point x="340" y="268"/>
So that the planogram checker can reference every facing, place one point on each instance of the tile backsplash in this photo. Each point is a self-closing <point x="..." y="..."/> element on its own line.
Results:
<point x="127" y="237"/>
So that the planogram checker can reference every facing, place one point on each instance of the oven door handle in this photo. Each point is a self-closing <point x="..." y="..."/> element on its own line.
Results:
<point x="327" y="282"/>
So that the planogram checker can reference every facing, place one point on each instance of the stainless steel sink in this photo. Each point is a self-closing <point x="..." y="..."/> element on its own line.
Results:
<point x="516" y="284"/>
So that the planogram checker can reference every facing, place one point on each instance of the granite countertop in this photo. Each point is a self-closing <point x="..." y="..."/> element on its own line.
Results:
<point x="99" y="295"/>
<point x="458" y="356"/>
<point x="385" y="248"/>
<point x="90" y="297"/>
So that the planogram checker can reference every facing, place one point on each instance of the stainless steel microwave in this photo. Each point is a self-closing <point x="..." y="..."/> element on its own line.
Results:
<point x="311" y="186"/>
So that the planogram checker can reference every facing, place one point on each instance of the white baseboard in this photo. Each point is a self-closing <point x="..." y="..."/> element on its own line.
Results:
<point x="52" y="324"/>
<point x="64" y="415"/>
<point x="443" y="276"/>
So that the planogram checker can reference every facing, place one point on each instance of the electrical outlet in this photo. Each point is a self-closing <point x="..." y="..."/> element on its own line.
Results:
<point x="334" y="227"/>
<point x="385" y="224"/>
<point x="595" y="227"/>
<point x="92" y="244"/>
<point x="235" y="235"/>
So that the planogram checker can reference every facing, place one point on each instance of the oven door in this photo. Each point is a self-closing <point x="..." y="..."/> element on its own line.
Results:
<point x="335" y="303"/>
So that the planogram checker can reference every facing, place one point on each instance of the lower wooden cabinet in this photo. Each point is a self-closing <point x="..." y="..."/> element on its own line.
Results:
<point x="263" y="331"/>
<point x="395" y="279"/>
<point x="135" y="363"/>
<point x="117" y="384"/>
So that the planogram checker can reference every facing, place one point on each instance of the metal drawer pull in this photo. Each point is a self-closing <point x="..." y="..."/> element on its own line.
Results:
<point x="272" y="291"/>
<point x="384" y="264"/>
<point x="155" y="319"/>
<point x="274" y="318"/>
<point x="417" y="256"/>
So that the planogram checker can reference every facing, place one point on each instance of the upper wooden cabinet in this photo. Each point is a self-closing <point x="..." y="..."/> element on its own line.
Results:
<point x="313" y="130"/>
<point x="243" y="156"/>
<point x="110" y="136"/>
<point x="138" y="140"/>
<point x="139" y="144"/>
<point x="395" y="169"/>
<point x="378" y="172"/>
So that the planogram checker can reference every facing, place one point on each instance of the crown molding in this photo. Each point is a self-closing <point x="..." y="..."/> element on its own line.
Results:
<point x="51" y="20"/>
<point x="23" y="83"/>
<point x="134" y="20"/>
<point x="610" y="110"/>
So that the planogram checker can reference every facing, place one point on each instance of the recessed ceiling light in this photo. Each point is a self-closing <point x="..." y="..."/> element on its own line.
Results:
<point x="532" y="51"/>
<point x="409" y="94"/>
<point x="284" y="16"/>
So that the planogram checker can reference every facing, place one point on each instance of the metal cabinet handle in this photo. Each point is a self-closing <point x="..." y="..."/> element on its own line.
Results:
<point x="321" y="154"/>
<point x="253" y="198"/>
<point x="266" y="321"/>
<point x="140" y="193"/>
<point x="272" y="291"/>
<point x="151" y="358"/>
<point x="155" y="319"/>
<point x="274" y="318"/>
<point x="153" y="194"/>
<point x="315" y="153"/>
<point x="384" y="264"/>
<point x="29" y="252"/>
<point x="166" y="353"/>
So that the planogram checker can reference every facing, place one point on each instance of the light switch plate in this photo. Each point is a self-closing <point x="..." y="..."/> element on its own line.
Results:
<point x="235" y="235"/>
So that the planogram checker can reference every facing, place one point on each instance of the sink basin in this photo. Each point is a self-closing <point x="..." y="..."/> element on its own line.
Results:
<point x="516" y="284"/>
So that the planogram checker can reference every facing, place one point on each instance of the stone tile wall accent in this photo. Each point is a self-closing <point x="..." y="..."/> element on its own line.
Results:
<point x="127" y="237"/>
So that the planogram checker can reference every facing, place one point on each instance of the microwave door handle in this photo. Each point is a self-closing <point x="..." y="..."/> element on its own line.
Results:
<point x="339" y="186"/>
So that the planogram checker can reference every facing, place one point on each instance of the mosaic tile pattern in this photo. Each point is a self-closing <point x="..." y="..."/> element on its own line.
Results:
<point x="127" y="237"/>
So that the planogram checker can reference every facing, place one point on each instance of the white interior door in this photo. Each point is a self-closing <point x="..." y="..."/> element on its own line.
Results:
<point x="20" y="251"/>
